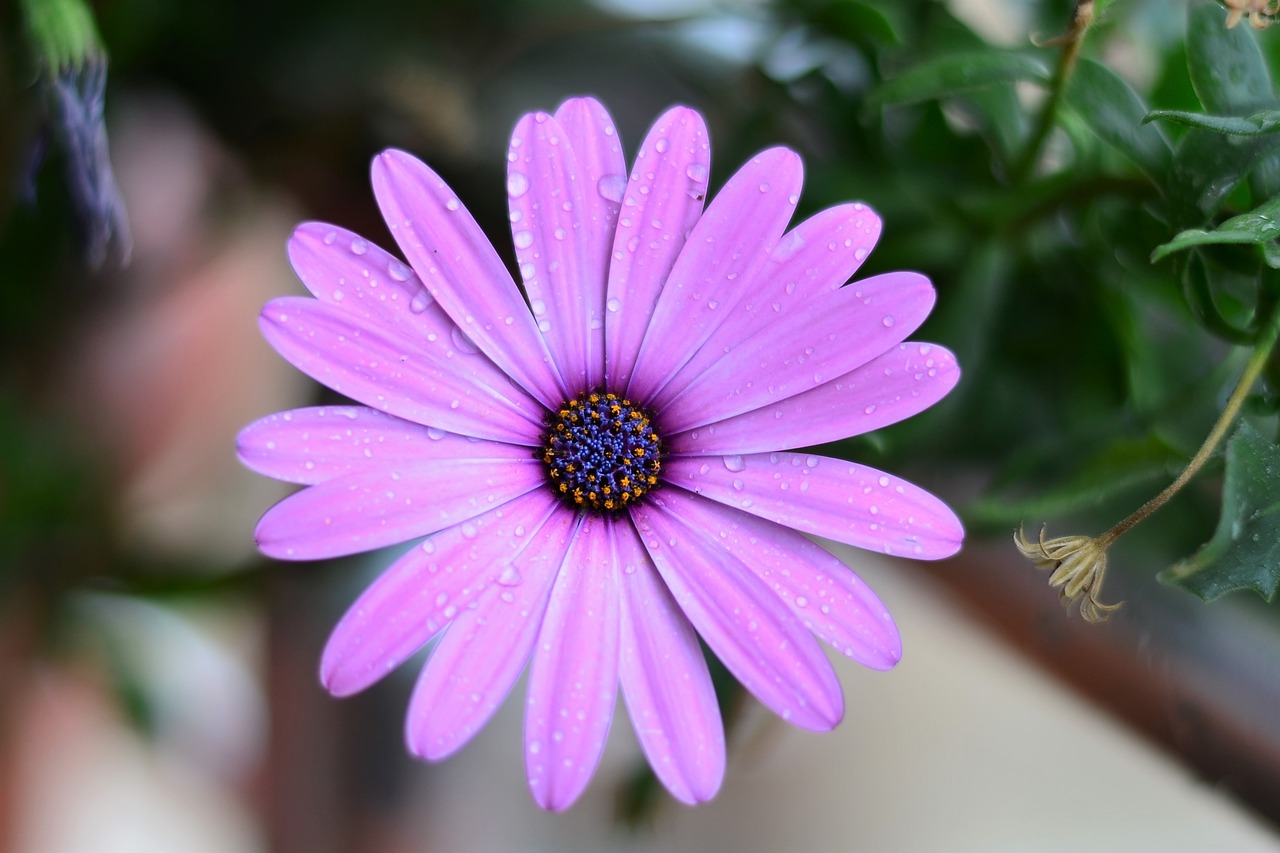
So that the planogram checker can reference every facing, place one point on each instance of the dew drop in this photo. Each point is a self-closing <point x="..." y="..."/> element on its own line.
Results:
<point x="435" y="433"/>
<point x="612" y="187"/>
<point x="509" y="577"/>
<point x="420" y="301"/>
<point x="359" y="247"/>
<point x="469" y="531"/>
<point x="888" y="320"/>
<point x="538" y="306"/>
<point x="517" y="184"/>
<point x="662" y="145"/>
<point x="613" y="304"/>
<point x="735" y="463"/>
<point x="452" y="204"/>
<point x="696" y="171"/>
<point x="398" y="270"/>
<point x="462" y="342"/>
<point x="523" y="239"/>
<point x="330" y="238"/>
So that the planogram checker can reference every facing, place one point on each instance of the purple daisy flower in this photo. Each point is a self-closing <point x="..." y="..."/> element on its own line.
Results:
<point x="598" y="470"/>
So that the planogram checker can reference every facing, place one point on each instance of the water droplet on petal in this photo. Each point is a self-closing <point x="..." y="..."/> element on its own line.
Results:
<point x="613" y="304"/>
<point x="462" y="342"/>
<point x="735" y="463"/>
<point x="435" y="433"/>
<point x="420" y="301"/>
<point x="888" y="320"/>
<point x="398" y="270"/>
<point x="359" y="247"/>
<point x="612" y="187"/>
<point x="696" y="172"/>
<point x="524" y="239"/>
<point x="517" y="184"/>
<point x="662" y="145"/>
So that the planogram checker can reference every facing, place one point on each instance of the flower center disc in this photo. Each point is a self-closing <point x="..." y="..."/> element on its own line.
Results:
<point x="601" y="452"/>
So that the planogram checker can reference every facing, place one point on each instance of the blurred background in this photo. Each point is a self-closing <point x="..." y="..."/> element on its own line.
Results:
<point x="158" y="685"/>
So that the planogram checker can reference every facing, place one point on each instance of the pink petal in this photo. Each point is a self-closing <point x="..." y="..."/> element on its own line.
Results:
<point x="373" y="508"/>
<point x="725" y="251"/>
<point x="821" y="591"/>
<point x="665" y="680"/>
<point x="660" y="203"/>
<point x="741" y="619"/>
<point x="420" y="593"/>
<point x="484" y="651"/>
<point x="832" y="335"/>
<point x="892" y="387"/>
<point x="547" y="219"/>
<point x="344" y="269"/>
<point x="817" y="256"/>
<point x="573" y="675"/>
<point x="314" y="445"/>
<point x="440" y="382"/>
<point x="459" y="266"/>
<point x="826" y="497"/>
<point x="590" y="132"/>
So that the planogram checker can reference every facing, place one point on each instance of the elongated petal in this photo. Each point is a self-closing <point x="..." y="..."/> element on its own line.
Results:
<point x="595" y="144"/>
<point x="483" y="652"/>
<point x="420" y="593"/>
<point x="903" y="382"/>
<point x="317" y="444"/>
<point x="437" y="382"/>
<point x="460" y="268"/>
<point x="344" y="269"/>
<point x="573" y="674"/>
<point x="660" y="204"/>
<point x="665" y="679"/>
<point x="821" y="591"/>
<point x="817" y="256"/>
<point x="725" y="250"/>
<point x="829" y="337"/>
<point x="370" y="509"/>
<point x="743" y="621"/>
<point x="547" y="211"/>
<point x="826" y="497"/>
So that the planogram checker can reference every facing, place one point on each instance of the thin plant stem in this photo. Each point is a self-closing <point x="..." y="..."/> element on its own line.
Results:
<point x="1071" y="42"/>
<point x="1253" y="369"/>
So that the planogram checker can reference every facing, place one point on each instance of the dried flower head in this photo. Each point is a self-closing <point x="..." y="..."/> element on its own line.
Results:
<point x="1079" y="565"/>
<point x="1261" y="12"/>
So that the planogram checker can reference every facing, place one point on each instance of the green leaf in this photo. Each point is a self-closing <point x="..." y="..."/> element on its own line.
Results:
<point x="1113" y="111"/>
<point x="956" y="73"/>
<point x="856" y="23"/>
<point x="1262" y="122"/>
<point x="1260" y="225"/>
<point x="1244" y="552"/>
<point x="1227" y="69"/>
<point x="1207" y="166"/>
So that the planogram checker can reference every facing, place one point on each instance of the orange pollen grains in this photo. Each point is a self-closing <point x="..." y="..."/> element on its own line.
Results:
<point x="601" y="452"/>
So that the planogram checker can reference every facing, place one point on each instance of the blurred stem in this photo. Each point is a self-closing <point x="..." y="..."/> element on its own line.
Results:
<point x="1071" y="42"/>
<point x="1258" y="360"/>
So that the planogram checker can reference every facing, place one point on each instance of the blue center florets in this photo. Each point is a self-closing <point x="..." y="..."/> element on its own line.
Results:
<point x="602" y="453"/>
